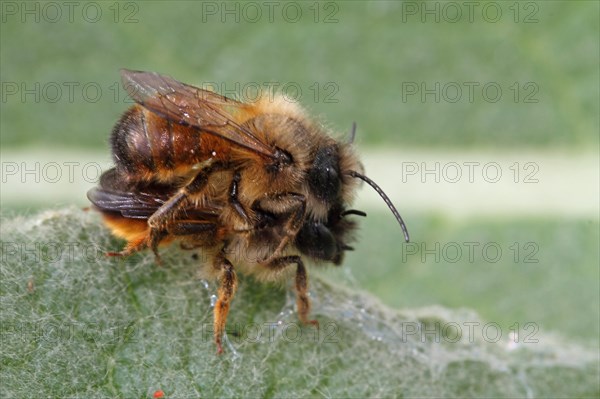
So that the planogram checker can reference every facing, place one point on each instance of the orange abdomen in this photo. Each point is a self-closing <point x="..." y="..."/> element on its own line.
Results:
<point x="148" y="147"/>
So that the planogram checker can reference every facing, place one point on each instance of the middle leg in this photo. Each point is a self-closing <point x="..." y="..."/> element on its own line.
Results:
<point x="292" y="206"/>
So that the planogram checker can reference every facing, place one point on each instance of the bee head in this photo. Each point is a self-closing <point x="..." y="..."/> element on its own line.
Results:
<point x="332" y="180"/>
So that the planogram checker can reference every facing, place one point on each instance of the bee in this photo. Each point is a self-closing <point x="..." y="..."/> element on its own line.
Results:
<point x="258" y="185"/>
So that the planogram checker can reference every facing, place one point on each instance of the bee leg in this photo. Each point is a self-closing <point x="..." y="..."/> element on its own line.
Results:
<point x="292" y="204"/>
<point x="233" y="196"/>
<point x="194" y="233"/>
<point x="151" y="240"/>
<point x="155" y="236"/>
<point x="154" y="239"/>
<point x="195" y="230"/>
<point x="191" y="227"/>
<point x="131" y="247"/>
<point x="161" y="218"/>
<point x="227" y="288"/>
<point x="302" y="300"/>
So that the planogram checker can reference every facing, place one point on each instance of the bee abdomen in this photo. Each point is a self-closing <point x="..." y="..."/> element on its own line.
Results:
<point x="144" y="143"/>
<point x="130" y="146"/>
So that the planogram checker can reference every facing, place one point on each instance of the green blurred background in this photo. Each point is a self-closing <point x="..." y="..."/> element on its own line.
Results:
<point x="357" y="61"/>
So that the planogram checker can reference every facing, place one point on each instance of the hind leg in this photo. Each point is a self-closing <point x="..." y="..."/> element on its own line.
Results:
<point x="153" y="237"/>
<point x="160" y="220"/>
<point x="150" y="240"/>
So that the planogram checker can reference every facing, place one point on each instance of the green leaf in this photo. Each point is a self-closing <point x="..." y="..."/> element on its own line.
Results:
<point x="75" y="323"/>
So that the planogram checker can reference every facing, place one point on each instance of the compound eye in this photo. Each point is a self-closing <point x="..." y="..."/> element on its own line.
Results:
<point x="324" y="176"/>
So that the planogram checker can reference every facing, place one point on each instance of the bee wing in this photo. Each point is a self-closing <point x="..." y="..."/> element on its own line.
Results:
<point x="189" y="105"/>
<point x="130" y="205"/>
<point x="140" y="205"/>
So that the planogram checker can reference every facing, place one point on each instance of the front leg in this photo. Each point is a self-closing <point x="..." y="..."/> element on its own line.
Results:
<point x="290" y="205"/>
<point x="302" y="300"/>
<point x="233" y="196"/>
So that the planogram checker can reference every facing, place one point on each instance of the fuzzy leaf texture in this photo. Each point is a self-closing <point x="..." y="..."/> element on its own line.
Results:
<point x="75" y="323"/>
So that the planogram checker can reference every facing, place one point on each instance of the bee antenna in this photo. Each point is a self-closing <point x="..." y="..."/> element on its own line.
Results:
<point x="354" y="212"/>
<point x="352" y="133"/>
<point x="385" y="198"/>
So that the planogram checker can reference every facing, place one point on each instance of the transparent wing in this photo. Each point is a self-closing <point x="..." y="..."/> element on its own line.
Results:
<point x="130" y="205"/>
<point x="141" y="205"/>
<point x="189" y="105"/>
